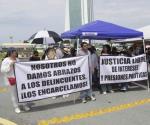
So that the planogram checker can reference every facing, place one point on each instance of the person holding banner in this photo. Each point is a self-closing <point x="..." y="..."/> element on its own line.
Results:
<point x="105" y="52"/>
<point x="95" y="67"/>
<point x="67" y="54"/>
<point x="35" y="56"/>
<point x="59" y="51"/>
<point x="7" y="68"/>
<point x="86" y="93"/>
<point x="51" y="55"/>
<point x="128" y="53"/>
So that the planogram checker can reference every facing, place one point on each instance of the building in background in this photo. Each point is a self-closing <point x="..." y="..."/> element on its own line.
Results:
<point x="78" y="12"/>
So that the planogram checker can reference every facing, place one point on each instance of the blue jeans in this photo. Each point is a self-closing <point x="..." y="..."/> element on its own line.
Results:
<point x="86" y="93"/>
<point x="106" y="87"/>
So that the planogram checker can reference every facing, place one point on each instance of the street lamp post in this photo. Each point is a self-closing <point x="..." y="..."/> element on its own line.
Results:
<point x="11" y="39"/>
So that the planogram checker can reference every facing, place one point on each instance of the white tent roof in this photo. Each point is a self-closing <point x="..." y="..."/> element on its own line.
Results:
<point x="146" y="31"/>
<point x="146" y="34"/>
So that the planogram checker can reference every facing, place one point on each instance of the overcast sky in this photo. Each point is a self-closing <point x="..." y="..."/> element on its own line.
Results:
<point x="22" y="18"/>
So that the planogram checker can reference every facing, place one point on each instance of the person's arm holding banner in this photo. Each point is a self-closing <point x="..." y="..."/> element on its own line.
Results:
<point x="7" y="68"/>
<point x="106" y="87"/>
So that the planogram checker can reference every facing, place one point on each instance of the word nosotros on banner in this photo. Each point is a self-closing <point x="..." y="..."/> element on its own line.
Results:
<point x="53" y="65"/>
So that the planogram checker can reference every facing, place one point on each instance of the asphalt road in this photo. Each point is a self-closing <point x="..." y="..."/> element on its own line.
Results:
<point x="119" y="108"/>
<point x="129" y="108"/>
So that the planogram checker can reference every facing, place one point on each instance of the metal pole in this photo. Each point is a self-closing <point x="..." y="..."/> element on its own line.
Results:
<point x="45" y="42"/>
<point x="77" y="46"/>
<point x="147" y="63"/>
<point x="74" y="100"/>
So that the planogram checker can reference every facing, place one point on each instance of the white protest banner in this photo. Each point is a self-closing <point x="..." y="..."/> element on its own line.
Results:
<point x="118" y="69"/>
<point x="43" y="79"/>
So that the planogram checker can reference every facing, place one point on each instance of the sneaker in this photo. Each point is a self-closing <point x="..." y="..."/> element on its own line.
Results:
<point x="26" y="108"/>
<point x="17" y="110"/>
<point x="104" y="93"/>
<point x="124" y="89"/>
<point x="93" y="98"/>
<point x="54" y="97"/>
<point x="66" y="96"/>
<point x="84" y="101"/>
<point x="111" y="91"/>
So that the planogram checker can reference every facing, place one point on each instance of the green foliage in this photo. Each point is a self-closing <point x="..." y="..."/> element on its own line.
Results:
<point x="2" y="55"/>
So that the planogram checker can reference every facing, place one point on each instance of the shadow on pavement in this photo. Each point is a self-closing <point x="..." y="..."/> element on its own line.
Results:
<point x="54" y="105"/>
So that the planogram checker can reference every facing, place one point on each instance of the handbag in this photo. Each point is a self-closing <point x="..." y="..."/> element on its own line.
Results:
<point x="12" y="80"/>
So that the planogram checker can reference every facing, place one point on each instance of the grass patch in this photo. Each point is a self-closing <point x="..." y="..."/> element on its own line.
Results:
<point x="2" y="55"/>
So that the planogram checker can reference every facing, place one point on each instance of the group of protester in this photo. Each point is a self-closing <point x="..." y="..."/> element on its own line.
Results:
<point x="62" y="51"/>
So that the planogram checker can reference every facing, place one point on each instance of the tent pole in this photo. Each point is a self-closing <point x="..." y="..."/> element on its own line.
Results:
<point x="45" y="42"/>
<point x="147" y="63"/>
<point x="74" y="99"/>
<point x="144" y="45"/>
<point x="90" y="41"/>
<point x="111" y="45"/>
<point x="77" y="45"/>
<point x="110" y="41"/>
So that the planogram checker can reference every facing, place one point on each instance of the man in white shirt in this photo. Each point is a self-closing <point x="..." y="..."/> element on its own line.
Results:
<point x="86" y="93"/>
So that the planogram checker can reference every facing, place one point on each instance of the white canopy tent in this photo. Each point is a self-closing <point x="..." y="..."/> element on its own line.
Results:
<point x="146" y="38"/>
<point x="146" y="32"/>
<point x="146" y="35"/>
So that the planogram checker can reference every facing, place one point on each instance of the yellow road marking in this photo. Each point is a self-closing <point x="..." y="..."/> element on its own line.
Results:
<point x="96" y="112"/>
<point x="3" y="89"/>
<point x="6" y="122"/>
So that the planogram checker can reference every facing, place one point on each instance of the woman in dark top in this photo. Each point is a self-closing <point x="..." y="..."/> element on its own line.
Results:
<point x="35" y="56"/>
